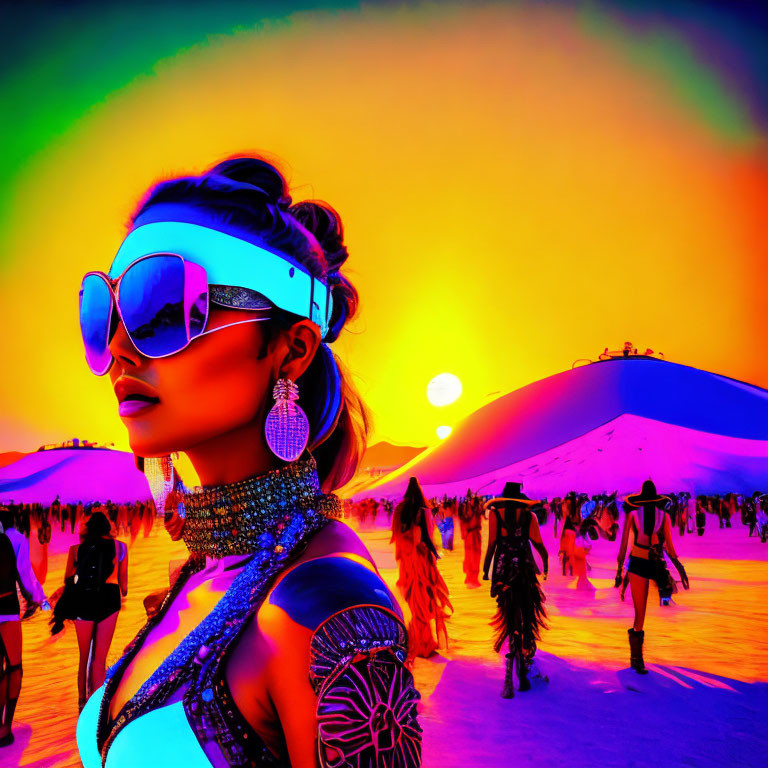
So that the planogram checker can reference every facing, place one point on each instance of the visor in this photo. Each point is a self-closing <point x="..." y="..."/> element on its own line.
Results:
<point x="230" y="256"/>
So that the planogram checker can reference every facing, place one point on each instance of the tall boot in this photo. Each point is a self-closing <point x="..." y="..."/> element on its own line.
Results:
<point x="516" y="650"/>
<point x="636" y="638"/>
<point x="522" y="672"/>
<point x="508" y="690"/>
<point x="10" y="710"/>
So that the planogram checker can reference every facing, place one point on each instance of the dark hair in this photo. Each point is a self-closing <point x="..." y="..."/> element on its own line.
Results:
<point x="7" y="517"/>
<point x="252" y="194"/>
<point x="7" y="561"/>
<point x="97" y="526"/>
<point x="413" y="501"/>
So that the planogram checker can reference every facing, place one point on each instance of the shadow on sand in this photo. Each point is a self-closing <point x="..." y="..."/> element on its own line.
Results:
<point x="592" y="715"/>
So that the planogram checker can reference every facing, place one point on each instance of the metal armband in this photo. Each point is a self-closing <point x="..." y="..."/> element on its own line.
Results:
<point x="366" y="698"/>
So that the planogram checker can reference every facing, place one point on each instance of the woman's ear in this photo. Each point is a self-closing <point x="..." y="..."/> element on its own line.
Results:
<point x="303" y="340"/>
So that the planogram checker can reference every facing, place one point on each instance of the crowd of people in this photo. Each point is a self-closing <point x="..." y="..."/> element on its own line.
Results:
<point x="127" y="519"/>
<point x="514" y="522"/>
<point x="95" y="580"/>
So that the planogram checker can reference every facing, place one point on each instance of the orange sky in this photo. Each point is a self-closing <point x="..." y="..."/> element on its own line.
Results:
<point x="517" y="193"/>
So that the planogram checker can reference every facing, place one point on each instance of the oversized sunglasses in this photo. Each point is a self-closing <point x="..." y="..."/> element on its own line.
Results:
<point x="162" y="301"/>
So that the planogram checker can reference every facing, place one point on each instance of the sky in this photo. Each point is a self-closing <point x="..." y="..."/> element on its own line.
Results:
<point x="521" y="184"/>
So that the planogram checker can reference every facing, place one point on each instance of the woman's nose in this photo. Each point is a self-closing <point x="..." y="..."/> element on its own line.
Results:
<point x="122" y="349"/>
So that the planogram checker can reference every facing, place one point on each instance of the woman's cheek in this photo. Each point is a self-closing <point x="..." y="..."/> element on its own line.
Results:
<point x="210" y="404"/>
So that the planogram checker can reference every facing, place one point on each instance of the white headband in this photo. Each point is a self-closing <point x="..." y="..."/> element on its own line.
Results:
<point x="230" y="260"/>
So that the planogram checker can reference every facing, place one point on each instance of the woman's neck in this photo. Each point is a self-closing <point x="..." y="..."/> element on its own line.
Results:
<point x="232" y="457"/>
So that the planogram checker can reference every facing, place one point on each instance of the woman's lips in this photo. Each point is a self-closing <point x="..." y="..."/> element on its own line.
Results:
<point x="135" y="404"/>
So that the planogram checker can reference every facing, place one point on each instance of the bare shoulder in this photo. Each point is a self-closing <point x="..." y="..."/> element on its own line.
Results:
<point x="335" y="573"/>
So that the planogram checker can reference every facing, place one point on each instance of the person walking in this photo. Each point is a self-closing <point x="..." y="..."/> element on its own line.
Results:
<point x="513" y="529"/>
<point x="419" y="580"/>
<point x="471" y="524"/>
<point x="15" y="567"/>
<point x="98" y="567"/>
<point x="651" y="529"/>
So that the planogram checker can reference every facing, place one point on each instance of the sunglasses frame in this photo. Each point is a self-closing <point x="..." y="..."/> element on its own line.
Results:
<point x="194" y="278"/>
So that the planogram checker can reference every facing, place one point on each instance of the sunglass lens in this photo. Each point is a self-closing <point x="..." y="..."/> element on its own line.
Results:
<point x="151" y="297"/>
<point x="95" y="317"/>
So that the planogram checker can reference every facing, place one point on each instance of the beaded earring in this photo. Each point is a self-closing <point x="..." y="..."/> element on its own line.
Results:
<point x="166" y="488"/>
<point x="286" y="427"/>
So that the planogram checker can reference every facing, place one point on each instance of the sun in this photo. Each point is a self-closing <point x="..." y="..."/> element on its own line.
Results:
<point x="444" y="389"/>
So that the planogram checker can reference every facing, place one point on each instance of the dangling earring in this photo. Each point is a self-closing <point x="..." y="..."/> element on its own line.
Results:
<point x="286" y="427"/>
<point x="167" y="489"/>
<point x="159" y="473"/>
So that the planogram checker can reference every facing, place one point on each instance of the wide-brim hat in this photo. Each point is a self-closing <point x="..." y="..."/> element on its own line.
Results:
<point x="647" y="495"/>
<point x="513" y="492"/>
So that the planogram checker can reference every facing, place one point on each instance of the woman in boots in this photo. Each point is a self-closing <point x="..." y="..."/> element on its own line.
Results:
<point x="512" y="529"/>
<point x="651" y="529"/>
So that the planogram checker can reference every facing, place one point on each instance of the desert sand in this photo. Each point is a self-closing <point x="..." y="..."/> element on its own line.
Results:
<point x="704" y="703"/>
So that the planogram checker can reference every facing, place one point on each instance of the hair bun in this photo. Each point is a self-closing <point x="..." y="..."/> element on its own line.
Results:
<point x="325" y="224"/>
<point x="258" y="173"/>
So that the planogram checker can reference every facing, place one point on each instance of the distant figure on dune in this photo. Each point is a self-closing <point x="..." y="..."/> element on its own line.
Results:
<point x="513" y="528"/>
<point x="651" y="529"/>
<point x="419" y="580"/>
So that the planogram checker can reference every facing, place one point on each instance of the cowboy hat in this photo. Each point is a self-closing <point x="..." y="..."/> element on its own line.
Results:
<point x="647" y="495"/>
<point x="512" y="493"/>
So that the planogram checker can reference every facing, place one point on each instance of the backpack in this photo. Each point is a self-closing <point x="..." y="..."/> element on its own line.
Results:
<point x="94" y="564"/>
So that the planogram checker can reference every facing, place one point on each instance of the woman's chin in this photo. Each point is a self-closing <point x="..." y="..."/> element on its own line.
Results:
<point x="151" y="449"/>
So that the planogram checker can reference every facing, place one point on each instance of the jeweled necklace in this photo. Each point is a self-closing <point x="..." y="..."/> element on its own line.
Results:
<point x="244" y="517"/>
<point x="273" y="514"/>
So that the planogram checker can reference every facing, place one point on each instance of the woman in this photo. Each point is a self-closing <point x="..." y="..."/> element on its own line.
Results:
<point x="419" y="580"/>
<point x="40" y="558"/>
<point x="571" y="523"/>
<point x="471" y="524"/>
<point x="520" y="616"/>
<point x="278" y="644"/>
<point x="97" y="569"/>
<point x="651" y="530"/>
<point x="445" y="523"/>
<point x="15" y="568"/>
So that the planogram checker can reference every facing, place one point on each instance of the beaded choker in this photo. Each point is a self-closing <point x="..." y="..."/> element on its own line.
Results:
<point x="248" y="516"/>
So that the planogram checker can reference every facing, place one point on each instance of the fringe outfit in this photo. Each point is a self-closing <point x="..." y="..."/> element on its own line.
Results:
<point x="422" y="586"/>
<point x="521" y="614"/>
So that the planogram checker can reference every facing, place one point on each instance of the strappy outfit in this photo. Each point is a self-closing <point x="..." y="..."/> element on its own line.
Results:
<point x="644" y="555"/>
<point x="105" y="599"/>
